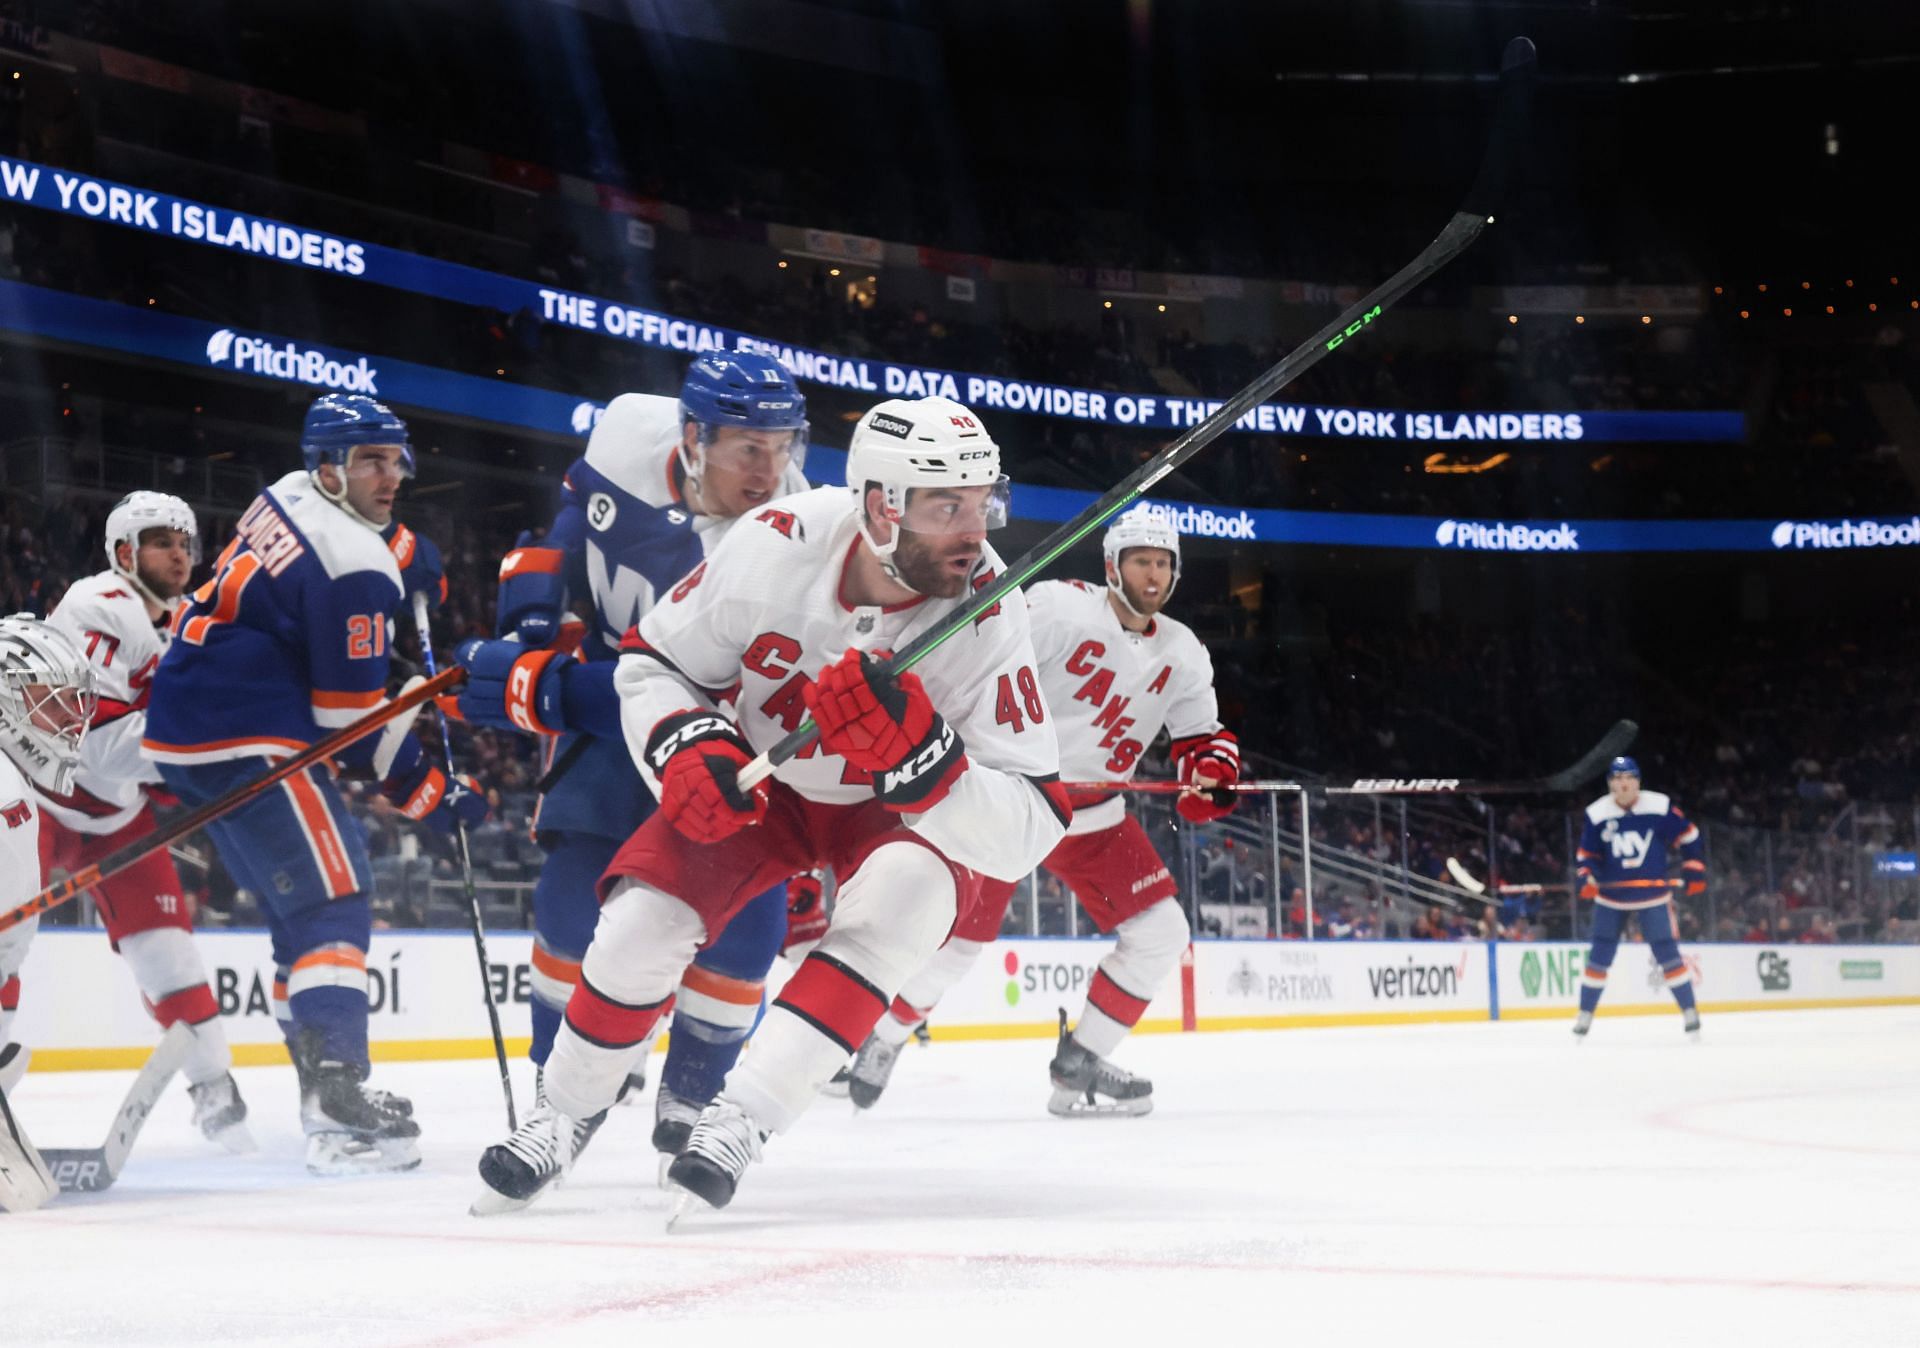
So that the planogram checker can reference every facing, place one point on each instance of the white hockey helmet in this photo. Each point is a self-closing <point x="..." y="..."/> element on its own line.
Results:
<point x="1141" y="527"/>
<point x="138" y="512"/>
<point x="907" y="443"/>
<point x="47" y="701"/>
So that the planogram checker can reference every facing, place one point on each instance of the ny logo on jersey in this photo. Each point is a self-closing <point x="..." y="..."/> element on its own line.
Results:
<point x="1629" y="849"/>
<point x="17" y="814"/>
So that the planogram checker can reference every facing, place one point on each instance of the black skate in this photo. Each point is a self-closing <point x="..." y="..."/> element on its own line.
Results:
<point x="722" y="1143"/>
<point x="837" y="1086"/>
<point x="350" y="1131"/>
<point x="872" y="1069"/>
<point x="221" y="1115"/>
<point x="673" y="1120"/>
<point x="1085" y="1083"/>
<point x="539" y="1154"/>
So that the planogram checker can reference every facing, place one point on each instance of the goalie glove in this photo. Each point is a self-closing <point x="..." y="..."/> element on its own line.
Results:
<point x="697" y="755"/>
<point x="885" y="724"/>
<point x="1215" y="756"/>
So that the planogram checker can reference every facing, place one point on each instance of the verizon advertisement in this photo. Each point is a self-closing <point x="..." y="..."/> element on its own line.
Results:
<point x="80" y="1009"/>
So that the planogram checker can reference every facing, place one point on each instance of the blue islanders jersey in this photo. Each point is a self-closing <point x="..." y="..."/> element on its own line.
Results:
<point x="1638" y="857"/>
<point x="629" y="537"/>
<point x="288" y="640"/>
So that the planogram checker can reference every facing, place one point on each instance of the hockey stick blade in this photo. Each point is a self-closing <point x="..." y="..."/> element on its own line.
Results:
<point x="87" y="1170"/>
<point x="1464" y="878"/>
<point x="1176" y="788"/>
<point x="1475" y="214"/>
<point x="1582" y="769"/>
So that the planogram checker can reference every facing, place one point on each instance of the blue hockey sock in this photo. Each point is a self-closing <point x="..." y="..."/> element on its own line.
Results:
<point x="699" y="1056"/>
<point x="546" y="1024"/>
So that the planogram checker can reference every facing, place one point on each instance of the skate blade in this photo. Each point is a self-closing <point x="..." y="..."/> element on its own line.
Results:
<point x="493" y="1203"/>
<point x="1065" y="1104"/>
<point x="685" y="1202"/>
<point x="329" y="1157"/>
<point x="666" y="1164"/>
<point x="237" y="1138"/>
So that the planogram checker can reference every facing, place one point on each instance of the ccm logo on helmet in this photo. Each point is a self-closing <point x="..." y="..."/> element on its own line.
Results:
<point x="971" y="454"/>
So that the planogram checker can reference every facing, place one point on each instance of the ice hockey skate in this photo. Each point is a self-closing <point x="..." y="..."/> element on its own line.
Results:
<point x="1084" y="1083"/>
<point x="872" y="1068"/>
<point x="1690" y="1022"/>
<point x="1582" y="1023"/>
<point x="722" y="1143"/>
<point x="221" y="1115"/>
<point x="673" y="1119"/>
<point x="537" y="1157"/>
<point x="349" y="1132"/>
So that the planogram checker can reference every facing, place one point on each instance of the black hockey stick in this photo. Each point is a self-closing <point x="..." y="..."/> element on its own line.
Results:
<point x="1583" y="769"/>
<point x="420" y="627"/>
<point x="87" y="1170"/>
<point x="1467" y="224"/>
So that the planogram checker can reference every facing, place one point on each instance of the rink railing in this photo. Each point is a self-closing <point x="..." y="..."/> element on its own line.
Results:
<point x="80" y="1008"/>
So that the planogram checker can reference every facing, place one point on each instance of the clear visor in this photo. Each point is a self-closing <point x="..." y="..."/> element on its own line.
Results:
<point x="956" y="510"/>
<point x="61" y="713"/>
<point x="365" y="466"/>
<point x="735" y="449"/>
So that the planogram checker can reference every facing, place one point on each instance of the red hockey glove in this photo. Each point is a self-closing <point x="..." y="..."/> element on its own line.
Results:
<point x="886" y="724"/>
<point x="806" y="916"/>
<point x="698" y="756"/>
<point x="1216" y="757"/>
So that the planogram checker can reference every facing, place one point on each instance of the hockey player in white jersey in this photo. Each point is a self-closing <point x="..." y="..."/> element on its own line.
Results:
<point x="46" y="704"/>
<point x="919" y="784"/>
<point x="119" y="619"/>
<point x="662" y="481"/>
<point x="1114" y="669"/>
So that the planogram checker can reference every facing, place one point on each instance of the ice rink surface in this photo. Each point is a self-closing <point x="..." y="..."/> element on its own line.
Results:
<point x="1483" y="1183"/>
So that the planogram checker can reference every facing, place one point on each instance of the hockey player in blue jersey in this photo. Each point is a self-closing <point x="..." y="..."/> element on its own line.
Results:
<point x="1636" y="850"/>
<point x="660" y="482"/>
<point x="287" y="642"/>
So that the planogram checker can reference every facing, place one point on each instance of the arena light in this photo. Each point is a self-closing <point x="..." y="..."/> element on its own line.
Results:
<point x="1646" y="318"/>
<point x="1513" y="318"/>
<point x="1579" y="318"/>
<point x="1743" y="313"/>
<point x="1763" y="287"/>
<point x="833" y="271"/>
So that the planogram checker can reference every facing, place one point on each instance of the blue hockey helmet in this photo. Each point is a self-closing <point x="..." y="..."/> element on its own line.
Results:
<point x="339" y="421"/>
<point x="745" y="389"/>
<point x="1623" y="767"/>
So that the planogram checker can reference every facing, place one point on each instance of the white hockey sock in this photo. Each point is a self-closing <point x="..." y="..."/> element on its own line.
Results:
<point x="889" y="918"/>
<point x="1099" y="1033"/>
<point x="166" y="965"/>
<point x="643" y="944"/>
<point x="925" y="989"/>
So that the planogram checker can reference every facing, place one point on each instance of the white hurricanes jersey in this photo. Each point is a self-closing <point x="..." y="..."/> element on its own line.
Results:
<point x="766" y="613"/>
<point x="108" y="621"/>
<point x="20" y="877"/>
<point x="1112" y="690"/>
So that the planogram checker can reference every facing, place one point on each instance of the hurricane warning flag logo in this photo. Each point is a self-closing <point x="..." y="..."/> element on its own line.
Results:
<point x="219" y="346"/>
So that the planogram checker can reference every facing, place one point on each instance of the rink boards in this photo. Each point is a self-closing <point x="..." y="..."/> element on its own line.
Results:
<point x="80" y="1009"/>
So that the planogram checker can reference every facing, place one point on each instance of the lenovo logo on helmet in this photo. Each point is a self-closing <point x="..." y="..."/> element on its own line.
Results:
<point x="891" y="425"/>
